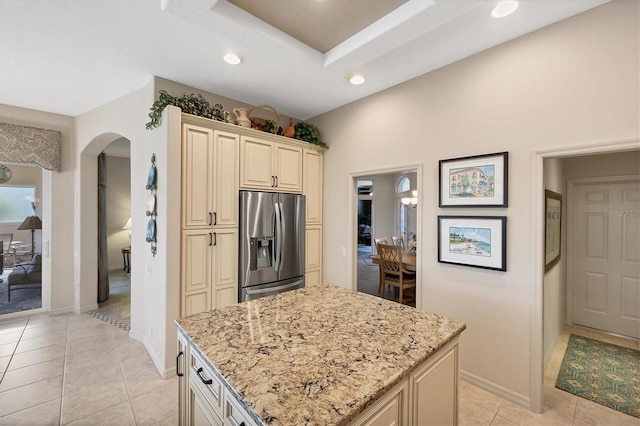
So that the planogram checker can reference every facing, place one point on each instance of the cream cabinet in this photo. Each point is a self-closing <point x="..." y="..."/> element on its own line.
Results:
<point x="313" y="255"/>
<point x="312" y="185"/>
<point x="269" y="165"/>
<point x="312" y="189"/>
<point x="183" y="379"/>
<point x="390" y="410"/>
<point x="209" y="269"/>
<point x="429" y="396"/>
<point x="434" y="388"/>
<point x="209" y="177"/>
<point x="217" y="160"/>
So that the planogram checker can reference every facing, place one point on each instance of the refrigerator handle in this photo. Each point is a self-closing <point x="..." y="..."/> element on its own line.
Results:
<point x="278" y="251"/>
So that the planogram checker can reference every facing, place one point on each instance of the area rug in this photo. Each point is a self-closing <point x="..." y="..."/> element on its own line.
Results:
<point x="603" y="373"/>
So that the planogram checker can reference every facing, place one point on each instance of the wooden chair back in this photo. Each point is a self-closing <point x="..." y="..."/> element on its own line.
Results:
<point x="398" y="241"/>
<point x="383" y="240"/>
<point x="391" y="270"/>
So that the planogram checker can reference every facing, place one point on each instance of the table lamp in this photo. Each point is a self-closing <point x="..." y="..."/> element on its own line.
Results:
<point x="32" y="223"/>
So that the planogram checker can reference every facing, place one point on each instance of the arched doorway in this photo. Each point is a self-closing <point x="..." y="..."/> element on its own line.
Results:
<point x="86" y="283"/>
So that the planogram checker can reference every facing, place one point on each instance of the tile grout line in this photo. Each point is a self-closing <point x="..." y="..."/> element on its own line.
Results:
<point x="14" y="351"/>
<point x="124" y="378"/>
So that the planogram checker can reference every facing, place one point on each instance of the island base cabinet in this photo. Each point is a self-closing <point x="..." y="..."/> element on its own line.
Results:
<point x="429" y="396"/>
<point x="390" y="410"/>
<point x="183" y="379"/>
<point x="434" y="390"/>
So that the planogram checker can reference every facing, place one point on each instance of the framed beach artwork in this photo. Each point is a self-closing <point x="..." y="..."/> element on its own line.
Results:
<point x="477" y="181"/>
<point x="552" y="219"/>
<point x="477" y="241"/>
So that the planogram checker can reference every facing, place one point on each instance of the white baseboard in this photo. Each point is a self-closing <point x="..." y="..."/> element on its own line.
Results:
<point x="496" y="389"/>
<point x="164" y="373"/>
<point x="549" y="351"/>
<point x="61" y="311"/>
<point x="88" y="308"/>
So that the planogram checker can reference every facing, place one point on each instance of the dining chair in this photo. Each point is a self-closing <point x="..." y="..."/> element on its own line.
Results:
<point x="383" y="240"/>
<point x="398" y="241"/>
<point x="392" y="272"/>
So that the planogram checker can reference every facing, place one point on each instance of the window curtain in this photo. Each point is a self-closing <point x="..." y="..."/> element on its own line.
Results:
<point x="30" y="145"/>
<point x="103" y="264"/>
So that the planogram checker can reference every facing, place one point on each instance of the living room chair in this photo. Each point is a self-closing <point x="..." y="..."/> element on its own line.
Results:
<point x="392" y="272"/>
<point x="25" y="275"/>
<point x="7" y="248"/>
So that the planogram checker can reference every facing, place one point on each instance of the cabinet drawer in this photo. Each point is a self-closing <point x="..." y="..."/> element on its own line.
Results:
<point x="235" y="414"/>
<point x="203" y="378"/>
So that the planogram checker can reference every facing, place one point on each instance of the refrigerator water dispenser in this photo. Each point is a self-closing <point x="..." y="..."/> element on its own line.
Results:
<point x="261" y="253"/>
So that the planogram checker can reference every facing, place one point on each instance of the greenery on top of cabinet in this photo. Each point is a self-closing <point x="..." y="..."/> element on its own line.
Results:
<point x="189" y="104"/>
<point x="307" y="132"/>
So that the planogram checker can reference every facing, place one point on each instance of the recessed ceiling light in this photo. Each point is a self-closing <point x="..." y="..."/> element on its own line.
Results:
<point x="504" y="8"/>
<point x="232" y="59"/>
<point x="357" y="79"/>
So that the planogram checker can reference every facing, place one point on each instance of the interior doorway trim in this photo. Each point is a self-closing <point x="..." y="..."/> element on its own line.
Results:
<point x="537" y="205"/>
<point x="352" y="225"/>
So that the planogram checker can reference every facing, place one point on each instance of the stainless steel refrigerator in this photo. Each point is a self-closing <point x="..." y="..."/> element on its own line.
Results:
<point x="272" y="243"/>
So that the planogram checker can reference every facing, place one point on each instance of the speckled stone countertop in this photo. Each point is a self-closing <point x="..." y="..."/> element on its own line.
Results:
<point x="318" y="355"/>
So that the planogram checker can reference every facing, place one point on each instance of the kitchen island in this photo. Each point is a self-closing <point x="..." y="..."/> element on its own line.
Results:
<point x="319" y="355"/>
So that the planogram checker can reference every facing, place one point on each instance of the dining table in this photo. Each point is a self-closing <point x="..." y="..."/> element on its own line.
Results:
<point x="408" y="260"/>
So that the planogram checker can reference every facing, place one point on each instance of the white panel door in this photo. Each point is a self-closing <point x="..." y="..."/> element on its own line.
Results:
<point x="606" y="253"/>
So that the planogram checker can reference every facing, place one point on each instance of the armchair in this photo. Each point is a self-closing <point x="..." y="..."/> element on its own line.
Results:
<point x="26" y="273"/>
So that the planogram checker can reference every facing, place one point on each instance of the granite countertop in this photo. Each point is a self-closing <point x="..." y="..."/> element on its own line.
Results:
<point x="318" y="355"/>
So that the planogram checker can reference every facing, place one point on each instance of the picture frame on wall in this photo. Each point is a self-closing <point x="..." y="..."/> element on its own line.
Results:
<point x="476" y="181"/>
<point x="552" y="228"/>
<point x="475" y="241"/>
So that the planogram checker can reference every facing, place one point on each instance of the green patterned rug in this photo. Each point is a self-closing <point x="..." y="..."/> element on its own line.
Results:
<point x="603" y="373"/>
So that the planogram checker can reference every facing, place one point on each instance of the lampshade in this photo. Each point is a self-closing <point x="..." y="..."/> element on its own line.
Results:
<point x="31" y="222"/>
<point x="128" y="224"/>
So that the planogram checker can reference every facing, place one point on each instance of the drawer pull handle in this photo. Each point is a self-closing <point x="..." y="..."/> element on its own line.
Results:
<point x="178" y="363"/>
<point x="210" y="218"/>
<point x="205" y="381"/>
<point x="215" y="218"/>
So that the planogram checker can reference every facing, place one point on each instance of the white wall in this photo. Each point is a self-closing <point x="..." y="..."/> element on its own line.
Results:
<point x="57" y="206"/>
<point x="118" y="208"/>
<point x="568" y="84"/>
<point x="614" y="164"/>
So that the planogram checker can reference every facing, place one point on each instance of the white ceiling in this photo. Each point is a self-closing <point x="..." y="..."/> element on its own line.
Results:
<point x="70" y="56"/>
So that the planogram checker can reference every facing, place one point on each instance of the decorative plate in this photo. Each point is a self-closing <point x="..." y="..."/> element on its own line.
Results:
<point x="5" y="174"/>
<point x="151" y="230"/>
<point x="151" y="205"/>
<point x="151" y="180"/>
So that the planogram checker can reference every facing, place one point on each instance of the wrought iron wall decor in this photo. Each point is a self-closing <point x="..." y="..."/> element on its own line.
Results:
<point x="152" y="185"/>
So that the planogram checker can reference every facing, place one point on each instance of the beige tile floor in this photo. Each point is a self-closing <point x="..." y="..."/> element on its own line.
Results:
<point x="78" y="370"/>
<point x="479" y="407"/>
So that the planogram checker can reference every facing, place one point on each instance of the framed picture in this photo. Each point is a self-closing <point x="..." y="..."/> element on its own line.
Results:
<point x="552" y="219"/>
<point x="478" y="181"/>
<point x="477" y="241"/>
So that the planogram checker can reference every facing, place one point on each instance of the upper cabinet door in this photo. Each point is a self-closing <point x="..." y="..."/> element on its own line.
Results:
<point x="197" y="176"/>
<point x="256" y="163"/>
<point x="288" y="168"/>
<point x="226" y="181"/>
<point x="270" y="166"/>
<point x="312" y="186"/>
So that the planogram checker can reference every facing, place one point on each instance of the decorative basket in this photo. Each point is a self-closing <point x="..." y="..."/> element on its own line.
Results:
<point x="259" y="123"/>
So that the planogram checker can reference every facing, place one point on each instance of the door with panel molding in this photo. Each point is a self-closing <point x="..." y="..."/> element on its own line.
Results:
<point x="605" y="255"/>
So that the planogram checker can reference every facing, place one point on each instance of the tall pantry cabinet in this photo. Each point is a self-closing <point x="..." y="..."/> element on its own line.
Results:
<point x="218" y="160"/>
